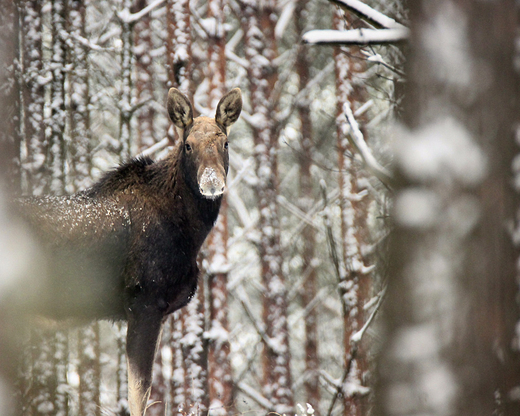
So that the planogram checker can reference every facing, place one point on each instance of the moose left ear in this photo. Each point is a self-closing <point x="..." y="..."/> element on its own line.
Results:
<point x="179" y="109"/>
<point x="229" y="108"/>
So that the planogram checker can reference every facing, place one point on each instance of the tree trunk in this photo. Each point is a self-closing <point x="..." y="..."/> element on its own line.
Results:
<point x="355" y="283"/>
<point x="89" y="371"/>
<point x="144" y="81"/>
<point x="57" y="141"/>
<point x="34" y="149"/>
<point x="10" y="135"/>
<point x="451" y="309"/>
<point x="307" y="199"/>
<point x="261" y="50"/>
<point x="79" y="101"/>
<point x="220" y="378"/>
<point x="126" y="100"/>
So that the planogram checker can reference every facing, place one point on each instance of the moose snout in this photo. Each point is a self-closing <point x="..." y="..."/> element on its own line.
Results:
<point x="211" y="183"/>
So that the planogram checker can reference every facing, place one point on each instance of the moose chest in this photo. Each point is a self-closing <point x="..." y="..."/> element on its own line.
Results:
<point x="162" y="270"/>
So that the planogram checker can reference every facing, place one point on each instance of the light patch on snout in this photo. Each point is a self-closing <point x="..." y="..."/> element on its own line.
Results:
<point x="211" y="186"/>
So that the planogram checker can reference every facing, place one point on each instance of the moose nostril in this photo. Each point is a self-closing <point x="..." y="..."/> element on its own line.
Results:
<point x="211" y="184"/>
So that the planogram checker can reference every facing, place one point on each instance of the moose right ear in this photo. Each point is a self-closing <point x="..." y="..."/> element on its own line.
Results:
<point x="179" y="109"/>
<point x="229" y="108"/>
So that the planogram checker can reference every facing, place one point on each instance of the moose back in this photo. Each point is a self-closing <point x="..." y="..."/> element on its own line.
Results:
<point x="126" y="248"/>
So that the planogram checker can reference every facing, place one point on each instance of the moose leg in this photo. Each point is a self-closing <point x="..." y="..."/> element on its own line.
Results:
<point x="144" y="329"/>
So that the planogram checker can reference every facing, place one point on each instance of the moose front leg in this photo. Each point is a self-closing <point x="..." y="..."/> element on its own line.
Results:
<point x="144" y="330"/>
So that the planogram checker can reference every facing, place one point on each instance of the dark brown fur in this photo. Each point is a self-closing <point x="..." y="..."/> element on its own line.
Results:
<point x="126" y="248"/>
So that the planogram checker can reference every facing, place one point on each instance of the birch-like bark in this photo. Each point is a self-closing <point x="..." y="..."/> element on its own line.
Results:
<point x="34" y="145"/>
<point x="89" y="370"/>
<point x="80" y="159"/>
<point x="144" y="80"/>
<point x="56" y="151"/>
<point x="126" y="92"/>
<point x="11" y="79"/>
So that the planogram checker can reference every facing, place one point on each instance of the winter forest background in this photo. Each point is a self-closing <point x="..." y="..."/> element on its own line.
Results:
<point x="315" y="235"/>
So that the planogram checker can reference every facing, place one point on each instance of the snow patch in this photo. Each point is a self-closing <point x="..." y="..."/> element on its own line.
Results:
<point x="442" y="151"/>
<point x="418" y="208"/>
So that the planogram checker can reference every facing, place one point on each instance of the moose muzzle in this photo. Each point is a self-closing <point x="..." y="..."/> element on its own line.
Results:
<point x="211" y="183"/>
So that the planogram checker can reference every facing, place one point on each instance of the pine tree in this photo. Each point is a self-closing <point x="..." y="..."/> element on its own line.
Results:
<point x="354" y="202"/>
<point x="11" y="82"/>
<point x="34" y="150"/>
<point x="261" y="49"/>
<point x="307" y="199"/>
<point x="143" y="48"/>
<point x="452" y="284"/>
<point x="220" y="378"/>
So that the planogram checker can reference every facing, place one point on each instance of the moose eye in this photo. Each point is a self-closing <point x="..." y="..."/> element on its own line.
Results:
<point x="226" y="145"/>
<point x="188" y="147"/>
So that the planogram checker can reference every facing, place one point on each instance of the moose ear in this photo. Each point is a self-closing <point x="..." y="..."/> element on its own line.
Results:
<point x="179" y="109"/>
<point x="229" y="108"/>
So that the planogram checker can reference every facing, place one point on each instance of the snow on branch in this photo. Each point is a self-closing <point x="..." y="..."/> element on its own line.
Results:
<point x="241" y="295"/>
<point x="357" y="336"/>
<point x="128" y="17"/>
<point x="387" y="29"/>
<point x="368" y="14"/>
<point x="285" y="18"/>
<point x="293" y="209"/>
<point x="356" y="36"/>
<point x="84" y="41"/>
<point x="357" y="140"/>
<point x="255" y="395"/>
<point x="157" y="147"/>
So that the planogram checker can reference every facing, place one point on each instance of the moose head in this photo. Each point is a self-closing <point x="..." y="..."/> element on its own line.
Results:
<point x="205" y="151"/>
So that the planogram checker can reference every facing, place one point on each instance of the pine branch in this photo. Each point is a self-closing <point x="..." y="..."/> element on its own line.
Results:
<point x="244" y="301"/>
<point x="355" y="339"/>
<point x="368" y="14"/>
<point x="126" y="17"/>
<point x="332" y="242"/>
<point x="357" y="140"/>
<point x="356" y="36"/>
<point x="157" y="147"/>
<point x="255" y="395"/>
<point x="357" y="336"/>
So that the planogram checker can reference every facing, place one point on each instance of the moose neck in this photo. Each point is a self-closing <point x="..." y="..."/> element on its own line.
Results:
<point x="197" y="214"/>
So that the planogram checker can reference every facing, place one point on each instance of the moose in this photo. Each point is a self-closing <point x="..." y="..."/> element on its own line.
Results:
<point x="126" y="248"/>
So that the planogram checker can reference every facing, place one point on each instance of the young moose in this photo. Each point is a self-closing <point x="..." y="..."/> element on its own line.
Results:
<point x="126" y="248"/>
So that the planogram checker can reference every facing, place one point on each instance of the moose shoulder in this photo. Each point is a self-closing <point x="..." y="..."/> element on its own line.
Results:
<point x="126" y="248"/>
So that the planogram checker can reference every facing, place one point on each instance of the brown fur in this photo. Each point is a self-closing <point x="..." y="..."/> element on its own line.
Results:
<point x="126" y="248"/>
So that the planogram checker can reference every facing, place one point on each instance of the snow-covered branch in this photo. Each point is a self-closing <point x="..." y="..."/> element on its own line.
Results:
<point x="293" y="209"/>
<point x="157" y="147"/>
<point x="84" y="41"/>
<point x="128" y="17"/>
<point x="255" y="395"/>
<point x="357" y="140"/>
<point x="357" y="336"/>
<point x="284" y="19"/>
<point x="356" y="36"/>
<point x="241" y="295"/>
<point x="367" y="13"/>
